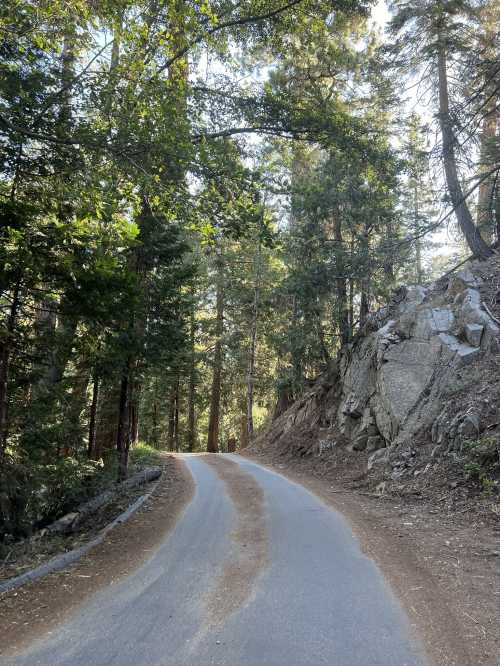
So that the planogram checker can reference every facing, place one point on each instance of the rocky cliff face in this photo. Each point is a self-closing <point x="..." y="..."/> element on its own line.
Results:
<point x="391" y="387"/>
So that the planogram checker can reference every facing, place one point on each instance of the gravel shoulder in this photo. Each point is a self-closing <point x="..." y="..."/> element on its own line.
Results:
<point x="444" y="567"/>
<point x="36" y="609"/>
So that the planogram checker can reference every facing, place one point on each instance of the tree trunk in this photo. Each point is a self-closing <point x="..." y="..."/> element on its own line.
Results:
<point x="5" y="357"/>
<point x="171" y="420"/>
<point x="341" y="285"/>
<point x="176" y="415"/>
<point x="134" y="412"/>
<point x="389" y="252"/>
<point x="416" y="223"/>
<point x="351" y="303"/>
<point x="243" y="425"/>
<point x="93" y="418"/>
<point x="474" y="239"/>
<point x="123" y="430"/>
<point x="253" y="346"/>
<point x="497" y="208"/>
<point x="321" y="337"/>
<point x="364" y="307"/>
<point x="485" y="202"/>
<point x="191" y="429"/>
<point x="488" y="48"/>
<point x="215" y="395"/>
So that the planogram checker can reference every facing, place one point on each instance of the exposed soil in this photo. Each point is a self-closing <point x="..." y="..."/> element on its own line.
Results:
<point x="248" y="556"/>
<point x="442" y="561"/>
<point x="36" y="609"/>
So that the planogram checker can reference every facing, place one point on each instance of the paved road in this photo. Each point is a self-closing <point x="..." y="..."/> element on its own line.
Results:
<point x="317" y="599"/>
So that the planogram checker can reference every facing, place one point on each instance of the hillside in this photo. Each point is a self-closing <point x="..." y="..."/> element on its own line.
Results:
<point x="412" y="404"/>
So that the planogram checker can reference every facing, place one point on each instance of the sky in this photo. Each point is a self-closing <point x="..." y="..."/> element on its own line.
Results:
<point x="380" y="13"/>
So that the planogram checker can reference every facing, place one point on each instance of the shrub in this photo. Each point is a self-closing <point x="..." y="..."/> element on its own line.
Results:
<point x="483" y="462"/>
<point x="144" y="455"/>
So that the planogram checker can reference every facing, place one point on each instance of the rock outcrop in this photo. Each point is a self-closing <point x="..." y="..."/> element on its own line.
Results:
<point x="390" y="383"/>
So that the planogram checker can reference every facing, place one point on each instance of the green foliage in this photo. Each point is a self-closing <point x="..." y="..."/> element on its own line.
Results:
<point x="35" y="494"/>
<point x="143" y="455"/>
<point x="483" y="462"/>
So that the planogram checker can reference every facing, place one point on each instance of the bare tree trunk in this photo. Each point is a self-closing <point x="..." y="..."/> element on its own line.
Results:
<point x="351" y="303"/>
<point x="496" y="193"/>
<point x="243" y="425"/>
<point x="253" y="346"/>
<point x="321" y="336"/>
<point x="296" y="350"/>
<point x="123" y="430"/>
<point x="5" y="357"/>
<point x="135" y="392"/>
<point x="171" y="420"/>
<point x="485" y="202"/>
<point x="191" y="429"/>
<point x="176" y="415"/>
<point x="488" y="47"/>
<point x="418" y="242"/>
<point x="93" y="418"/>
<point x="364" y="307"/>
<point x="215" y="395"/>
<point x="341" y="284"/>
<point x="154" y="436"/>
<point x="474" y="239"/>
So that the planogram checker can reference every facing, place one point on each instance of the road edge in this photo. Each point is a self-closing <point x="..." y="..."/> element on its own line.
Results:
<point x="32" y="611"/>
<point x="440" y="632"/>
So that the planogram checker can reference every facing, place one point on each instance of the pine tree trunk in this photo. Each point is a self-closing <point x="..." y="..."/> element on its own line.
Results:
<point x="243" y="426"/>
<point x="171" y="420"/>
<point x="351" y="303"/>
<point x="176" y="415"/>
<point x="497" y="209"/>
<point x="191" y="429"/>
<point x="418" y="242"/>
<point x="123" y="430"/>
<point x="93" y="418"/>
<point x="253" y="346"/>
<point x="485" y="201"/>
<point x="474" y="239"/>
<point x="321" y="337"/>
<point x="215" y="394"/>
<point x="389" y="252"/>
<point x="364" y="306"/>
<point x="488" y="48"/>
<point x="366" y="279"/>
<point x="5" y="358"/>
<point x="341" y="286"/>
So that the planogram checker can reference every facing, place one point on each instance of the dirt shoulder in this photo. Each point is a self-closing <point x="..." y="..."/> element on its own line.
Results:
<point x="249" y="552"/>
<point x="35" y="609"/>
<point x="444" y="567"/>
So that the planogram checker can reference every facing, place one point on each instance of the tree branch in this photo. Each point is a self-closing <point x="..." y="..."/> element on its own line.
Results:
<point x="244" y="20"/>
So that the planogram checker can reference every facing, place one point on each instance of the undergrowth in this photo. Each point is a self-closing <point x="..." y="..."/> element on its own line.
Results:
<point x="482" y="462"/>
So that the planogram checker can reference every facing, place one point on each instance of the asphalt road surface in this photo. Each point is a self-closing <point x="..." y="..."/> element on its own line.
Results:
<point x="240" y="581"/>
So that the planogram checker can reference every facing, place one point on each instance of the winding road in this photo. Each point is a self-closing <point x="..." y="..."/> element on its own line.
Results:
<point x="257" y="572"/>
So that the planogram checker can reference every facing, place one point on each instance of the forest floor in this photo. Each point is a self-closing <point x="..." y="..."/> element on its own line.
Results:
<point x="442" y="560"/>
<point x="36" y="608"/>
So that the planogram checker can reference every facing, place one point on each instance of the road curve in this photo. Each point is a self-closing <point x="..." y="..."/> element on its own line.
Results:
<point x="257" y="572"/>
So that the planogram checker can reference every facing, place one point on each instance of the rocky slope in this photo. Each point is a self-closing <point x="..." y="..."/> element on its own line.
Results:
<point x="418" y="388"/>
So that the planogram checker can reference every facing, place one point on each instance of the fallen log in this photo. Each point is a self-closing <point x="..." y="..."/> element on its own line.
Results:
<point x="70" y="522"/>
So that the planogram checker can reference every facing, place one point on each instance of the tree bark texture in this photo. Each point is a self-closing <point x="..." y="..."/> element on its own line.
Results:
<point x="215" y="394"/>
<point x="475" y="241"/>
